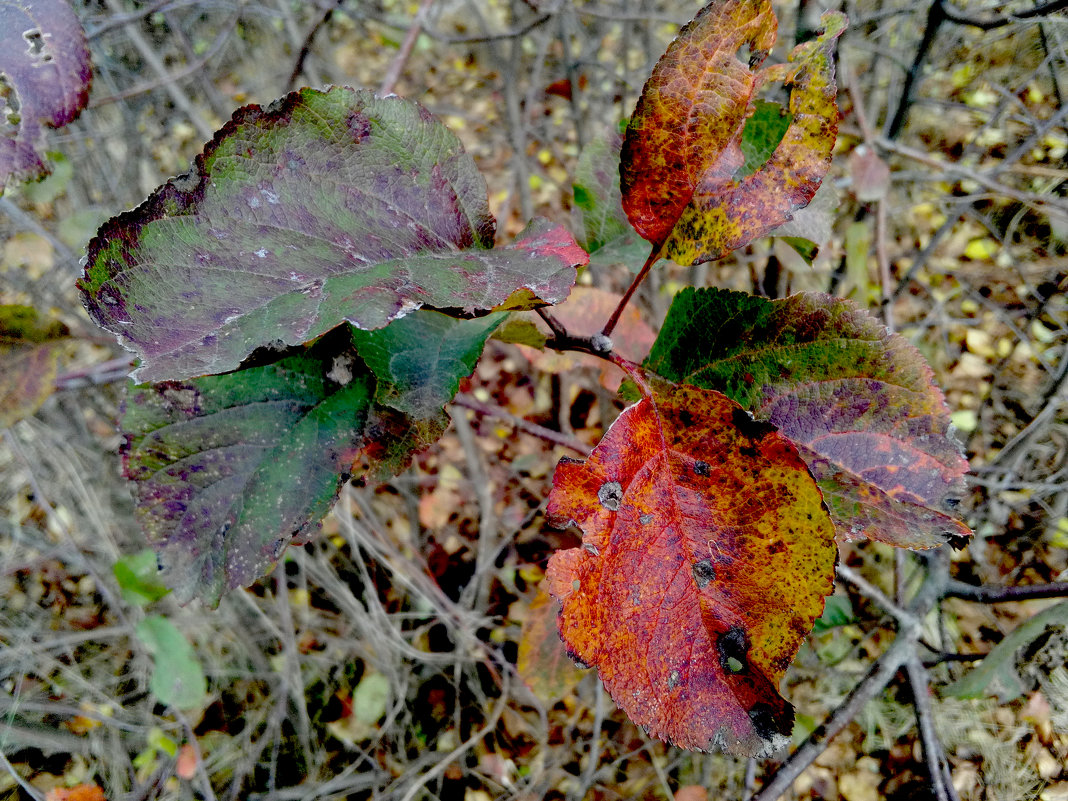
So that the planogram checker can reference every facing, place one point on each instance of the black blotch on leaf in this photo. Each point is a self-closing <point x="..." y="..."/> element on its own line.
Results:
<point x="762" y="716"/>
<point x="733" y="644"/>
<point x="703" y="572"/>
<point x="748" y="427"/>
<point x="701" y="468"/>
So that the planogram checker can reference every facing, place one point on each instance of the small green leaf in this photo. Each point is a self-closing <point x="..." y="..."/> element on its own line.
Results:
<point x="762" y="133"/>
<point x="606" y="234"/>
<point x="137" y="575"/>
<point x="805" y="248"/>
<point x="519" y="330"/>
<point x="420" y="359"/>
<point x="177" y="679"/>
<point x="999" y="665"/>
<point x="838" y="611"/>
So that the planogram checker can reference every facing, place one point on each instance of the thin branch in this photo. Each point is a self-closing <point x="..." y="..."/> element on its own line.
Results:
<point x="875" y="594"/>
<point x="527" y="427"/>
<point x="558" y="331"/>
<point x="654" y="255"/>
<point x="936" y="15"/>
<point x="879" y="675"/>
<point x="306" y="45"/>
<point x="934" y="754"/>
<point x="97" y="374"/>
<point x="999" y="22"/>
<point x="396" y="67"/>
<point x="989" y="594"/>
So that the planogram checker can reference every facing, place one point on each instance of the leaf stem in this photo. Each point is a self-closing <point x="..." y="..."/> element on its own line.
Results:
<point x="559" y="332"/>
<point x="654" y="255"/>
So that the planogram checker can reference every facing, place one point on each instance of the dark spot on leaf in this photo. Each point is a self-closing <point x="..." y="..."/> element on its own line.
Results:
<point x="764" y="723"/>
<point x="733" y="646"/>
<point x="701" y="468"/>
<point x="578" y="662"/>
<point x="610" y="495"/>
<point x="748" y="427"/>
<point x="645" y="519"/>
<point x="703" y="572"/>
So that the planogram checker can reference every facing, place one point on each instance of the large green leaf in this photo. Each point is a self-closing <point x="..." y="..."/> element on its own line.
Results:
<point x="859" y="402"/>
<point x="322" y="208"/>
<point x="228" y="469"/>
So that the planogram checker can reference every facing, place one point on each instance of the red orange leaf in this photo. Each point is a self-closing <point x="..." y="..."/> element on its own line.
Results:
<point x="859" y="402"/>
<point x="80" y="792"/>
<point x="706" y="556"/>
<point x="681" y="158"/>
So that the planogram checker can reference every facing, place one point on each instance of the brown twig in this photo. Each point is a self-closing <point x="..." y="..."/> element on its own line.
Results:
<point x="999" y="22"/>
<point x="654" y="256"/>
<point x="527" y="427"/>
<point x="878" y="677"/>
<point x="988" y="594"/>
<point x="396" y="67"/>
<point x="934" y="754"/>
<point x="306" y="45"/>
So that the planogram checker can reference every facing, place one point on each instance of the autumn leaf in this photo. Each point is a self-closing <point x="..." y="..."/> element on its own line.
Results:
<point x="323" y="208"/>
<point x="706" y="556"/>
<point x="45" y="64"/>
<point x="859" y="402"/>
<point x="542" y="662"/>
<point x="80" y="792"/>
<point x="30" y="350"/>
<point x="682" y="172"/>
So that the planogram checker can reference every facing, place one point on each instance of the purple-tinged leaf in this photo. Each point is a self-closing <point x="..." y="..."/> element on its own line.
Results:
<point x="228" y="469"/>
<point x="323" y="208"/>
<point x="859" y="402"/>
<point x="44" y="80"/>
